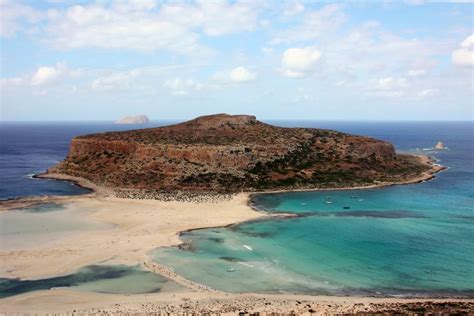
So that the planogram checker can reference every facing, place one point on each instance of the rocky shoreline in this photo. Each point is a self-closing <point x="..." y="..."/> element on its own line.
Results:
<point x="248" y="305"/>
<point x="202" y="197"/>
<point x="194" y="197"/>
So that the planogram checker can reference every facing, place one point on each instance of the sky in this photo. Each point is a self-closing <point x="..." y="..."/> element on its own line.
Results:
<point x="314" y="60"/>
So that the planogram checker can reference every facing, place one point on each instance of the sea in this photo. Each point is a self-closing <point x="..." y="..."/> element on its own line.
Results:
<point x="407" y="240"/>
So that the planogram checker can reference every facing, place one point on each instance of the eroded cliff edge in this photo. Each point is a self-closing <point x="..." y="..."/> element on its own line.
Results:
<point x="230" y="153"/>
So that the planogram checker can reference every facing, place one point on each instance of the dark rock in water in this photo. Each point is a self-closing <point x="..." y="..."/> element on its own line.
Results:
<point x="466" y="217"/>
<point x="246" y="231"/>
<point x="186" y="247"/>
<point x="231" y="259"/>
<point x="373" y="214"/>
<point x="216" y="240"/>
<point x="380" y="214"/>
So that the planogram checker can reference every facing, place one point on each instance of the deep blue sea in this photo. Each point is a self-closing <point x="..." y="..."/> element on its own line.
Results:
<point x="27" y="148"/>
<point x="402" y="240"/>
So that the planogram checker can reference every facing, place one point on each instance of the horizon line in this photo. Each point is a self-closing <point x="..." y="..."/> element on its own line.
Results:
<point x="264" y="119"/>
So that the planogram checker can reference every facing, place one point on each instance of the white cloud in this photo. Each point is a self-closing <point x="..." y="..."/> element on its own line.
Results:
<point x="299" y="62"/>
<point x="292" y="9"/>
<point x="415" y="2"/>
<point x="416" y="72"/>
<point x="116" y="81"/>
<point x="12" y="82"/>
<point x="302" y="97"/>
<point x="145" y="26"/>
<point x="428" y="93"/>
<point x="411" y="88"/>
<point x="220" y="17"/>
<point x="385" y="87"/>
<point x="140" y="25"/>
<point x="12" y="14"/>
<point x="118" y="28"/>
<point x="313" y="25"/>
<point x="44" y="79"/>
<point x="45" y="75"/>
<point x="464" y="55"/>
<point x="242" y="74"/>
<point x="390" y="83"/>
<point x="180" y="87"/>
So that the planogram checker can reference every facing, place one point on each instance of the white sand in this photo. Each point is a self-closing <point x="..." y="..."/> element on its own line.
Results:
<point x="140" y="226"/>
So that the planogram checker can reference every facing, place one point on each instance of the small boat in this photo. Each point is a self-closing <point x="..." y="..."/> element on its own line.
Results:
<point x="328" y="202"/>
<point x="230" y="270"/>
<point x="360" y="200"/>
<point x="353" y="196"/>
<point x="346" y="207"/>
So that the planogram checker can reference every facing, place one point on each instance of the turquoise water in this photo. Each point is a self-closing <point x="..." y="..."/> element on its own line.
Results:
<point x="411" y="240"/>
<point x="116" y="279"/>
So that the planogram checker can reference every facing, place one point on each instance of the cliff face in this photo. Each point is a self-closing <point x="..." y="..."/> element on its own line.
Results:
<point x="223" y="153"/>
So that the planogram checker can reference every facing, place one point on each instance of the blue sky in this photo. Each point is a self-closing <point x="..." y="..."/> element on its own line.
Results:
<point x="319" y="60"/>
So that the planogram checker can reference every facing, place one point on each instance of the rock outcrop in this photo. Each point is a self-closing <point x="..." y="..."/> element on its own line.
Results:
<point x="224" y="153"/>
<point x="439" y="145"/>
<point x="139" y="119"/>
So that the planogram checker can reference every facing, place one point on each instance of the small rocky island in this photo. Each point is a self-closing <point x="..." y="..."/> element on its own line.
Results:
<point x="138" y="119"/>
<point x="231" y="153"/>
<point x="439" y="145"/>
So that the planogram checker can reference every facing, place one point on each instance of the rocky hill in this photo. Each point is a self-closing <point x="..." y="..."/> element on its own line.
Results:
<point x="229" y="153"/>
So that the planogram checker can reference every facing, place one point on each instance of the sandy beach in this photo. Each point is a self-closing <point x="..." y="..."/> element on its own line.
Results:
<point x="134" y="228"/>
<point x="139" y="226"/>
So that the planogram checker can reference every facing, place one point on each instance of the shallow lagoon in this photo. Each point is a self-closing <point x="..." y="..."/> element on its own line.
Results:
<point x="115" y="279"/>
<point x="43" y="223"/>
<point x="46" y="223"/>
<point x="411" y="240"/>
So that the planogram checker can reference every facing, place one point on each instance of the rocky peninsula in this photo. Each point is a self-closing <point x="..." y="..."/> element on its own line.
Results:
<point x="226" y="154"/>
